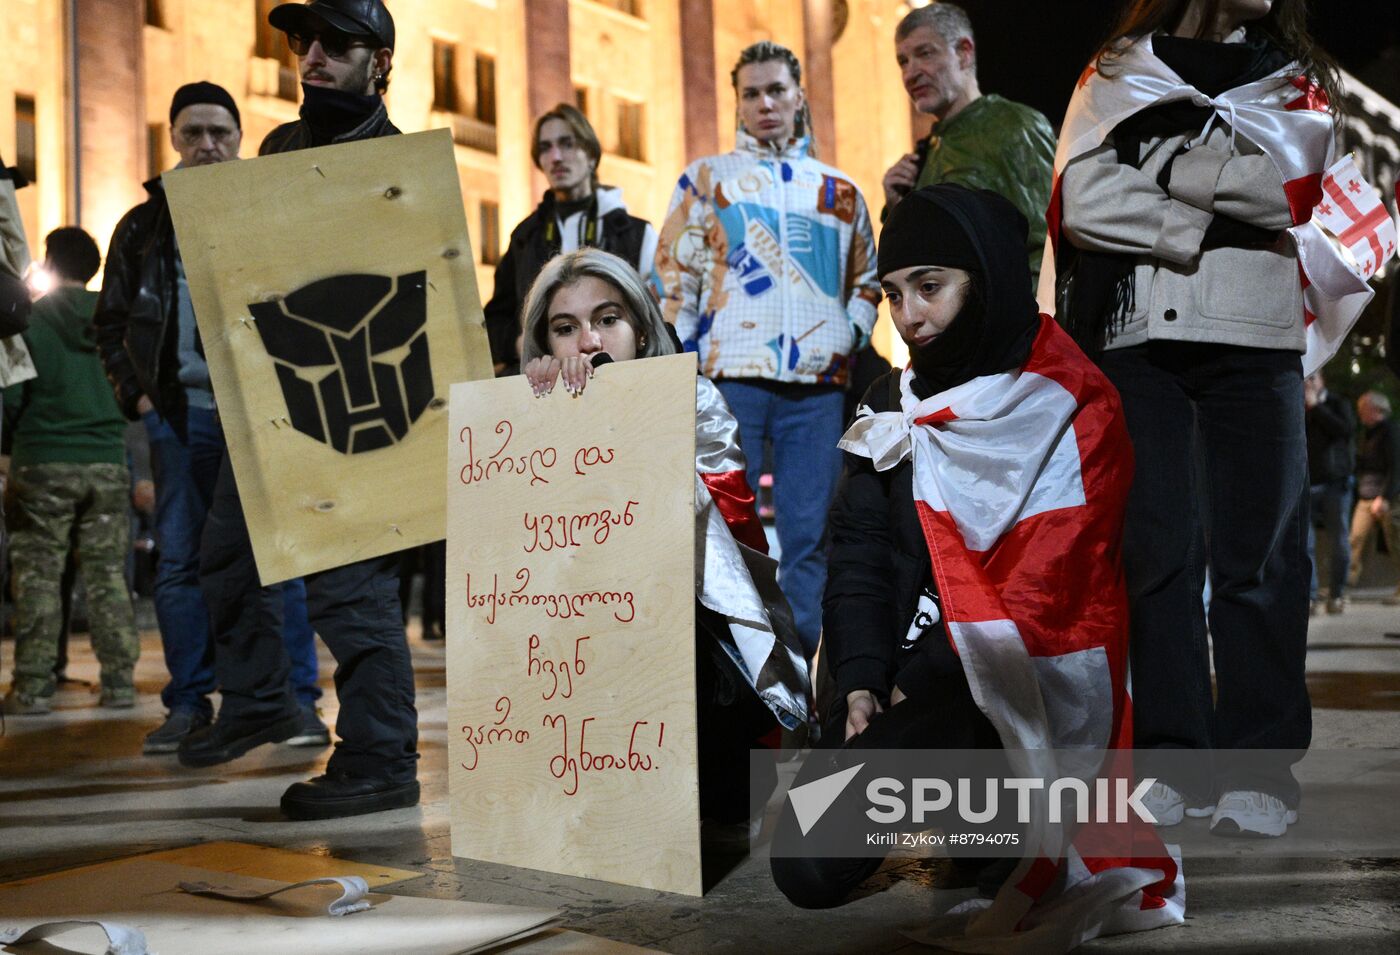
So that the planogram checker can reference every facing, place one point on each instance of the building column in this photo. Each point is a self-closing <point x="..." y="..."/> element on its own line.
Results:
<point x="698" y="78"/>
<point x="548" y="73"/>
<point x="111" y="111"/>
<point x="818" y="25"/>
<point x="547" y="50"/>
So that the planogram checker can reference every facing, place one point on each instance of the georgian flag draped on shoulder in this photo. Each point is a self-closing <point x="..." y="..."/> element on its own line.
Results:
<point x="1020" y="482"/>
<point x="735" y="576"/>
<point x="1286" y="115"/>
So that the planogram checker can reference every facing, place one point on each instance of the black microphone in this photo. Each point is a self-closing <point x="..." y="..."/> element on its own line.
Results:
<point x="600" y="359"/>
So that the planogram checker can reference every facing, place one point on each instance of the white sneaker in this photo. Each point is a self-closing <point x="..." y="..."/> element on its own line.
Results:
<point x="1165" y="804"/>
<point x="1251" y="814"/>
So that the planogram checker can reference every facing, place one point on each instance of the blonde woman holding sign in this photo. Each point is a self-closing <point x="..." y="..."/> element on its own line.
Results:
<point x="587" y="309"/>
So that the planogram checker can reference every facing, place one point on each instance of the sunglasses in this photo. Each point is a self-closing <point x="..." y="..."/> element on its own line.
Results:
<point x="335" y="43"/>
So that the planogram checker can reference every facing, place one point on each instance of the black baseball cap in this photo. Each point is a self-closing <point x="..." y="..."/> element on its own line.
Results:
<point x="359" y="17"/>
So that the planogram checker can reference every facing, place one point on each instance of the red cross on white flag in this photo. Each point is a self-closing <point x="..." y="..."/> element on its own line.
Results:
<point x="1353" y="212"/>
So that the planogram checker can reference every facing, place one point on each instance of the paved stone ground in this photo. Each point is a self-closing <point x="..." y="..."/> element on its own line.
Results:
<point x="75" y="789"/>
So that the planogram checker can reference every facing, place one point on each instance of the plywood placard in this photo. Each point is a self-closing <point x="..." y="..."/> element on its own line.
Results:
<point x="571" y="626"/>
<point x="337" y="302"/>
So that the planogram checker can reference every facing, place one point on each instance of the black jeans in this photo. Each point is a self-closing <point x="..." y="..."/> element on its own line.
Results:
<point x="1221" y="482"/>
<point x="355" y="610"/>
<point x="942" y="716"/>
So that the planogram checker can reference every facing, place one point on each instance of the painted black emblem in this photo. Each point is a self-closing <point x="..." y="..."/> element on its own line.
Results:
<point x="352" y="357"/>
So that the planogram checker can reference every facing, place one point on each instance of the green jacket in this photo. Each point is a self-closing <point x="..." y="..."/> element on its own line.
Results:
<point x="67" y="414"/>
<point x="1003" y="146"/>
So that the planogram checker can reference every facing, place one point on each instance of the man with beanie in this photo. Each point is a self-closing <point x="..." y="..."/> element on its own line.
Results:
<point x="344" y="50"/>
<point x="149" y="343"/>
<point x="70" y="488"/>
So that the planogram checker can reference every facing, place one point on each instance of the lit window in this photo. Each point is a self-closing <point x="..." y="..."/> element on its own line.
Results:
<point x="633" y="8"/>
<point x="490" y="232"/>
<point x="630" y="131"/>
<point x="155" y="149"/>
<point x="445" y="76"/>
<point x="26" y="137"/>
<point x="271" y="44"/>
<point x="486" y="89"/>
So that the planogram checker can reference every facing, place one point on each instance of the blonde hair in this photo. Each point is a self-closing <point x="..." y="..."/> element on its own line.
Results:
<point x="653" y="334"/>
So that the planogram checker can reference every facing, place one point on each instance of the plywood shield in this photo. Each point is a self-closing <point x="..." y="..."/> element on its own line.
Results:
<point x="337" y="302"/>
<point x="571" y="626"/>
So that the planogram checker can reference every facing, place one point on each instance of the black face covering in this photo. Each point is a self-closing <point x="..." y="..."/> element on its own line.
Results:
<point x="982" y="233"/>
<point x="332" y="112"/>
<point x="945" y="361"/>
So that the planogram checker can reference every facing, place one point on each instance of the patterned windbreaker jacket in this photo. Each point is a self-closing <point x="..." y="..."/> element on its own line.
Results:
<point x="766" y="265"/>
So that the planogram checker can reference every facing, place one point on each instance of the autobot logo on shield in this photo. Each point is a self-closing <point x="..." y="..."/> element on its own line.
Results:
<point x="351" y="353"/>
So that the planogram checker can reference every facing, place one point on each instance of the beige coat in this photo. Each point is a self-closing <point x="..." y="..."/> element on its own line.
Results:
<point x="1232" y="296"/>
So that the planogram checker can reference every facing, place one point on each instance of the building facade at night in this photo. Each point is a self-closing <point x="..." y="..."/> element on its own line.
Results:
<point x="85" y="92"/>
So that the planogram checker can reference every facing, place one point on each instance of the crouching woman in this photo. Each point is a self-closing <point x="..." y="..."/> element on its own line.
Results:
<point x="975" y="596"/>
<point x="589" y="308"/>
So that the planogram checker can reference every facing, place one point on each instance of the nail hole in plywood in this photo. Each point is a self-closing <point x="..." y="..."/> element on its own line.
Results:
<point x="325" y="507"/>
<point x="393" y="192"/>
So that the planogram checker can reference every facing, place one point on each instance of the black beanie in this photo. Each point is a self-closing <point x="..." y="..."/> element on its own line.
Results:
<point x="192" y="94"/>
<point x="921" y="232"/>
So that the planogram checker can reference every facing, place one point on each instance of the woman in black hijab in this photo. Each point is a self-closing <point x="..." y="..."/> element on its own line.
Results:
<point x="974" y="598"/>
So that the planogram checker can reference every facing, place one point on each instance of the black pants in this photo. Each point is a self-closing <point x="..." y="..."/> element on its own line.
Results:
<point x="1221" y="483"/>
<point x="942" y="716"/>
<point x="730" y="719"/>
<point x="355" y="610"/>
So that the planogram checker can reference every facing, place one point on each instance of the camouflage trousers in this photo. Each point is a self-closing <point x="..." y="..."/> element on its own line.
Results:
<point x="49" y="508"/>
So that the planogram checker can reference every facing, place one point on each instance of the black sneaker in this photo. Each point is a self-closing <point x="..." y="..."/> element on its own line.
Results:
<point x="311" y="732"/>
<point x="178" y="724"/>
<point x="339" y="794"/>
<point x="230" y="737"/>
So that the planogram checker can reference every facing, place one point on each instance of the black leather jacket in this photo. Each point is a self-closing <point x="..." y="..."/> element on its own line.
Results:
<point x="135" y="320"/>
<point x="135" y="317"/>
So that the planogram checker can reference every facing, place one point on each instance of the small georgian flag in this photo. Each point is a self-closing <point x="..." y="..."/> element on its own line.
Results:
<point x="1352" y="210"/>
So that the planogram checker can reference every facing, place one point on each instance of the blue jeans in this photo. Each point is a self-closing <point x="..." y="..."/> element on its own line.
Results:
<point x="184" y="473"/>
<point x="803" y="424"/>
<point x="1331" y="501"/>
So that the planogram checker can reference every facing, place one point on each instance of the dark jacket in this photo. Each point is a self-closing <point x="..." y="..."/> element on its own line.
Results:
<point x="1379" y="454"/>
<point x="135" y="320"/>
<point x="298" y="135"/>
<point x="66" y="413"/>
<point x="1331" y="426"/>
<point x="878" y="564"/>
<point x="619" y="232"/>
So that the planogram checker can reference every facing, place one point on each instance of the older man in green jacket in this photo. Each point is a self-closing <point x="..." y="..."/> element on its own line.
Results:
<point x="979" y="141"/>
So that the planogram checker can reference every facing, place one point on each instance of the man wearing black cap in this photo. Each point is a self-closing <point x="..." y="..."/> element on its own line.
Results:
<point x="344" y="48"/>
